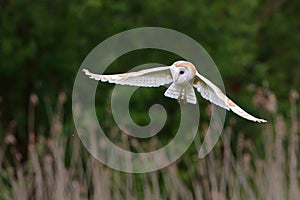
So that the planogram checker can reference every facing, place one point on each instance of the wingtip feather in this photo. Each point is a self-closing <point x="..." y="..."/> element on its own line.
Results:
<point x="85" y="71"/>
<point x="261" y="121"/>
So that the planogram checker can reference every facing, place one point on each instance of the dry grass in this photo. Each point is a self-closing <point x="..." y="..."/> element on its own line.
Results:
<point x="49" y="174"/>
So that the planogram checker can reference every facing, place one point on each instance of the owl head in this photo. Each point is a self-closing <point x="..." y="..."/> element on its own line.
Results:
<point x="182" y="72"/>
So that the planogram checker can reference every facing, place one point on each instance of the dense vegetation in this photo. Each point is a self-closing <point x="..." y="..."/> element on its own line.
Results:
<point x="255" y="45"/>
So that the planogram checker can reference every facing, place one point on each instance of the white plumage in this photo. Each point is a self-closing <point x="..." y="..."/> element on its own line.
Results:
<point x="182" y="76"/>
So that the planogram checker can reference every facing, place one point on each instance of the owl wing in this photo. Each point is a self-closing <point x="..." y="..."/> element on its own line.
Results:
<point x="153" y="77"/>
<point x="214" y="94"/>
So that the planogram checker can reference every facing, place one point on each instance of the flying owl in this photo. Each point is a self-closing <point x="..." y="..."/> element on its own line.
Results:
<point x="182" y="77"/>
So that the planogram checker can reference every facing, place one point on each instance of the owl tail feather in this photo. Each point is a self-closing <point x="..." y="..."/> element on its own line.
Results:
<point x="186" y="93"/>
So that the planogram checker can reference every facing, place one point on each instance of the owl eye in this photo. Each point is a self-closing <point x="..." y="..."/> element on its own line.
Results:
<point x="181" y="72"/>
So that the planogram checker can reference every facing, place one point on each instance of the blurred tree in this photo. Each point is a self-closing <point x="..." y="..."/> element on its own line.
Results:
<point x="44" y="42"/>
<point x="278" y="53"/>
<point x="41" y="49"/>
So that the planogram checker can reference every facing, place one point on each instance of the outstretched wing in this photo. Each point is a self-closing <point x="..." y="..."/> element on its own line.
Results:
<point x="153" y="77"/>
<point x="212" y="93"/>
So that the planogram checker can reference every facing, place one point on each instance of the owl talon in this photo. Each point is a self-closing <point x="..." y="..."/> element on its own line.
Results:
<point x="184" y="99"/>
<point x="179" y="98"/>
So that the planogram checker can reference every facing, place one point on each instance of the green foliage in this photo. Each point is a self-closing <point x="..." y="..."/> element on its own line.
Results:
<point x="43" y="43"/>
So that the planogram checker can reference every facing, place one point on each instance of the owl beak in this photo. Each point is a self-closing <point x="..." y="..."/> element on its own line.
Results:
<point x="175" y="77"/>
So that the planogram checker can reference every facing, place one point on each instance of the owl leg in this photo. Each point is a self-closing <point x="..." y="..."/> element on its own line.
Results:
<point x="180" y="96"/>
<point x="184" y="99"/>
<point x="184" y="96"/>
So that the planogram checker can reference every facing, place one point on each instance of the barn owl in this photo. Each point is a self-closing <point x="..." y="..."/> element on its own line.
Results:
<point x="182" y="77"/>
